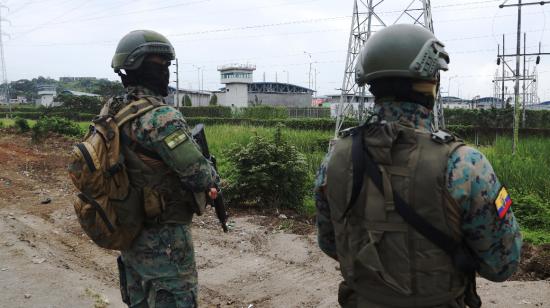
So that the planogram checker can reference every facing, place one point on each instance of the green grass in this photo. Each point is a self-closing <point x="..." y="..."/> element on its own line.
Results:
<point x="526" y="174"/>
<point x="10" y="122"/>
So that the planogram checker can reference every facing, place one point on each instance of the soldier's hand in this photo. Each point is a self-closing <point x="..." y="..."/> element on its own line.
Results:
<point x="213" y="193"/>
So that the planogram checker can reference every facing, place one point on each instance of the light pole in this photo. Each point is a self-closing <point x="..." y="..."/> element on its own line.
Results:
<point x="309" y="74"/>
<point x="199" y="82"/>
<point x="287" y="76"/>
<point x="177" y="97"/>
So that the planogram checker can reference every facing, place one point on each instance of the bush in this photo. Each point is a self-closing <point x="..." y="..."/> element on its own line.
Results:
<point x="187" y="101"/>
<point x="213" y="100"/>
<point x="264" y="112"/>
<point x="22" y="125"/>
<point x="532" y="212"/>
<point x="267" y="173"/>
<point x="58" y="125"/>
<point x="207" y="111"/>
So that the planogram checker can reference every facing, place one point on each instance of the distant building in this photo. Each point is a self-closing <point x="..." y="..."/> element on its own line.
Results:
<point x="78" y="93"/>
<point x="452" y="102"/>
<point x="541" y="106"/>
<point x="487" y="103"/>
<point x="333" y="100"/>
<point x="241" y="91"/>
<point x="198" y="98"/>
<point x="46" y="95"/>
<point x="69" y="79"/>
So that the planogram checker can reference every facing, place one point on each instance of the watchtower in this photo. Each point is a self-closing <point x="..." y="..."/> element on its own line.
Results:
<point x="236" y="78"/>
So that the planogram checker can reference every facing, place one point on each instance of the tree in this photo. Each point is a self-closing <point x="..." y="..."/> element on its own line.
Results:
<point x="213" y="100"/>
<point x="187" y="101"/>
<point x="87" y="104"/>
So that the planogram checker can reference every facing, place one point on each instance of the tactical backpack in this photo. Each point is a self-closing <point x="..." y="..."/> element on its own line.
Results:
<point x="109" y="208"/>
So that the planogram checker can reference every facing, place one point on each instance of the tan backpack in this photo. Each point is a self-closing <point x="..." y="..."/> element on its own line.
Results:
<point x="109" y="208"/>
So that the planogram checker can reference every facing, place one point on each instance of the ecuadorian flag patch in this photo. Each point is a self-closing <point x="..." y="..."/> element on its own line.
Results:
<point x="174" y="139"/>
<point x="503" y="202"/>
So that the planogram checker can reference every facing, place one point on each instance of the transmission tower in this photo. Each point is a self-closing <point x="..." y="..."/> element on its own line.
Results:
<point x="3" y="61"/>
<point x="368" y="17"/>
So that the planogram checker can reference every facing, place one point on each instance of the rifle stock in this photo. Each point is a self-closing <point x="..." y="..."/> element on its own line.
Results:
<point x="200" y="137"/>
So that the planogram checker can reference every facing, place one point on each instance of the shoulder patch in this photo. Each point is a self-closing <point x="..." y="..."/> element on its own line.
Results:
<point x="503" y="202"/>
<point x="174" y="139"/>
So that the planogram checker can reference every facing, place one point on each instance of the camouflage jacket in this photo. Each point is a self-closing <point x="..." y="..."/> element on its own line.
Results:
<point x="150" y="131"/>
<point x="472" y="183"/>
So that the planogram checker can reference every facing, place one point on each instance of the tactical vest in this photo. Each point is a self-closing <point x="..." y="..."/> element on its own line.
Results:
<point x="382" y="258"/>
<point x="165" y="200"/>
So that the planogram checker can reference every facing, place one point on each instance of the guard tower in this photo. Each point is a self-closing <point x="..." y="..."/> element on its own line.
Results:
<point x="236" y="78"/>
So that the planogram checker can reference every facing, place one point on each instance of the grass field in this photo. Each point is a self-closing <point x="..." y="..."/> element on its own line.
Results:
<point x="527" y="174"/>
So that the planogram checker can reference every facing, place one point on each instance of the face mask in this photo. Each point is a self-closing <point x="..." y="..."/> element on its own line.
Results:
<point x="153" y="76"/>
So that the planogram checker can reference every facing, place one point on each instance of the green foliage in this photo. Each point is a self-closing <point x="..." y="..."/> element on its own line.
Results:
<point x="213" y="100"/>
<point x="187" y="101"/>
<point x="268" y="173"/>
<point x="58" y="125"/>
<point x="74" y="103"/>
<point x="323" y="124"/>
<point x="492" y="118"/>
<point x="264" y="112"/>
<point x="206" y="111"/>
<point x="22" y="125"/>
<point x="532" y="211"/>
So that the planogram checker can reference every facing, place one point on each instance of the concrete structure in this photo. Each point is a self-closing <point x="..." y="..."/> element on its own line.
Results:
<point x="198" y="98"/>
<point x="541" y="106"/>
<point x="236" y="78"/>
<point x="453" y="102"/>
<point x="78" y="93"/>
<point x="279" y="94"/>
<point x="69" y="79"/>
<point x="353" y="101"/>
<point x="46" y="95"/>
<point x="241" y="91"/>
<point x="487" y="102"/>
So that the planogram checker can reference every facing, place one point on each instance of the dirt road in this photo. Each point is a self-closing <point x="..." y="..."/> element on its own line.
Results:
<point x="46" y="261"/>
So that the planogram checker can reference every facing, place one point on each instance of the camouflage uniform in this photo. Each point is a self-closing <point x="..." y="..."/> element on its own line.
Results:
<point x="472" y="183"/>
<point x="160" y="266"/>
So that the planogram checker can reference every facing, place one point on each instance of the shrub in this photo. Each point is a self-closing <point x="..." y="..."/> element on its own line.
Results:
<point x="22" y="125"/>
<point x="187" y="101"/>
<point x="532" y="212"/>
<point x="213" y="100"/>
<point x="264" y="112"/>
<point x="207" y="111"/>
<point x="56" y="125"/>
<point x="267" y="173"/>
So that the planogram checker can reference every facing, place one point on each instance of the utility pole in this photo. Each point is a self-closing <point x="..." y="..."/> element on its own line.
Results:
<point x="516" y="73"/>
<point x="3" y="62"/>
<point x="177" y="102"/>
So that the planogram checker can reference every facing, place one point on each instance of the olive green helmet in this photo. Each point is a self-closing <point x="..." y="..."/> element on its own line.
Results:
<point x="404" y="50"/>
<point x="134" y="46"/>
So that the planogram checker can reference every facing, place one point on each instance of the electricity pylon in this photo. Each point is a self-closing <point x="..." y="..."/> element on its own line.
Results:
<point x="368" y="17"/>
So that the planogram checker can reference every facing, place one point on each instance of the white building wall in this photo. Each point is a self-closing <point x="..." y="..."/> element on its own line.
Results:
<point x="236" y="94"/>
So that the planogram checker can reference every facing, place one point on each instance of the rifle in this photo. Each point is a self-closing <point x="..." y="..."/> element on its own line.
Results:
<point x="200" y="137"/>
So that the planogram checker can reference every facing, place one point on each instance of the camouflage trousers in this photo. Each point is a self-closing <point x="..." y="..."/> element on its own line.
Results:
<point x="159" y="271"/>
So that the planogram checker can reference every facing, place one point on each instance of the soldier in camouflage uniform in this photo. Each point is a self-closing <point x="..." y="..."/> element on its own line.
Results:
<point x="159" y="270"/>
<point x="404" y="96"/>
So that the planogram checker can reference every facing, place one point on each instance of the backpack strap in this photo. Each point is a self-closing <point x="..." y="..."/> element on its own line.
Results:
<point x="135" y="109"/>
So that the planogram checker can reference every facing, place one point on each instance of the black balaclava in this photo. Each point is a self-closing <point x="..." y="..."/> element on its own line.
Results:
<point x="153" y="76"/>
<point x="401" y="89"/>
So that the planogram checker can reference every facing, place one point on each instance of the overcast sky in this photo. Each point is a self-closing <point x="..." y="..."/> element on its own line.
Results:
<point x="57" y="38"/>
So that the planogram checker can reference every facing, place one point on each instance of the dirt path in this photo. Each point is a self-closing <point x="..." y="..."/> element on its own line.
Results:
<point x="45" y="261"/>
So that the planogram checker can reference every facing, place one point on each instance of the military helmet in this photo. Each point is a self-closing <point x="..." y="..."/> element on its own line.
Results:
<point x="404" y="50"/>
<point x="134" y="46"/>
